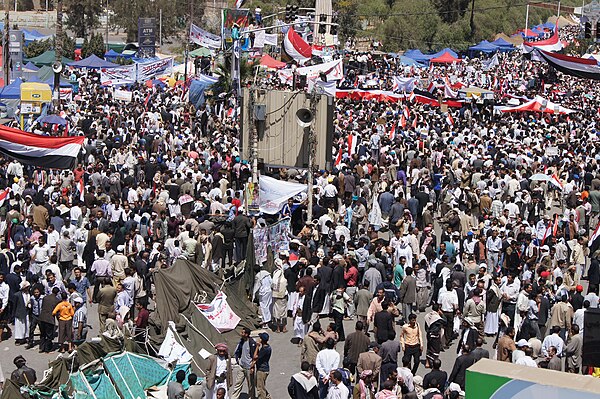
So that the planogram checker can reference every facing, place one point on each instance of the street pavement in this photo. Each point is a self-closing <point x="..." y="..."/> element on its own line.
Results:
<point x="285" y="360"/>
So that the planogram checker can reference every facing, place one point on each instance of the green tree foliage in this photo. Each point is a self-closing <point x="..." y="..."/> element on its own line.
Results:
<point x="82" y="16"/>
<point x="94" y="46"/>
<point x="451" y="11"/>
<point x="38" y="47"/>
<point x="434" y="24"/>
<point x="175" y="15"/>
<point x="347" y="18"/>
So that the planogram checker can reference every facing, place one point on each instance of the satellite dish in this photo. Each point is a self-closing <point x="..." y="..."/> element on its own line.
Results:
<point x="57" y="67"/>
<point x="304" y="117"/>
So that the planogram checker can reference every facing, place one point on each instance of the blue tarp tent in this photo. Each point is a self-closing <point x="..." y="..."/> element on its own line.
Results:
<point x="112" y="54"/>
<point x="441" y="52"/>
<point x="30" y="67"/>
<point x="12" y="91"/>
<point x="93" y="62"/>
<point x="503" y="44"/>
<point x="52" y="119"/>
<point x="418" y="56"/>
<point x="404" y="60"/>
<point x="484" y="47"/>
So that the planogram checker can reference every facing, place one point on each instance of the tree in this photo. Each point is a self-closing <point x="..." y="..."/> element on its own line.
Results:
<point x="451" y="10"/>
<point x="37" y="47"/>
<point x="347" y="18"/>
<point x="82" y="16"/>
<point x="175" y="15"/>
<point x="94" y="46"/>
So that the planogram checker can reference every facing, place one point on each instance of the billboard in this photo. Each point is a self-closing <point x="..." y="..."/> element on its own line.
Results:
<point x="229" y="18"/>
<point x="15" y="49"/>
<point x="492" y="379"/>
<point x="146" y="37"/>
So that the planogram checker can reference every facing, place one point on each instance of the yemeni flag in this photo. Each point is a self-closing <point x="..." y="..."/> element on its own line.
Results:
<point x="449" y="119"/>
<point x="556" y="181"/>
<point x="40" y="151"/>
<point x="4" y="195"/>
<point x="424" y="97"/>
<point x="403" y="121"/>
<point x="81" y="188"/>
<point x="338" y="159"/>
<point x="352" y="141"/>
<point x="392" y="133"/>
<point x="553" y="43"/>
<point x="594" y="241"/>
<point x="574" y="66"/>
<point x="296" y="47"/>
<point x="406" y="112"/>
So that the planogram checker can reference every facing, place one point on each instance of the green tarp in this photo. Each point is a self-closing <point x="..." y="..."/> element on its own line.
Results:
<point x="176" y="287"/>
<point x="47" y="58"/>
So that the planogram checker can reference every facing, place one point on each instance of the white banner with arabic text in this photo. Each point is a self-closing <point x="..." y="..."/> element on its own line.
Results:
<point x="219" y="313"/>
<point x="149" y="70"/>
<point x="118" y="76"/>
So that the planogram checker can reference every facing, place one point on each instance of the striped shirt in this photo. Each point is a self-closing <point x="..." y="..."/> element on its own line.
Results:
<point x="80" y="317"/>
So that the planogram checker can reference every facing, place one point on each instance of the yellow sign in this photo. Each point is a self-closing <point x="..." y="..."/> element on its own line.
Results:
<point x="36" y="92"/>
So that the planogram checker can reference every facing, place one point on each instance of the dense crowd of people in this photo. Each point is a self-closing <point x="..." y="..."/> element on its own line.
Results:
<point x="438" y="229"/>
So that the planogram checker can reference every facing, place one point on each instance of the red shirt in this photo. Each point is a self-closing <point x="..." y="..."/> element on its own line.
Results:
<point x="351" y="276"/>
<point x="141" y="320"/>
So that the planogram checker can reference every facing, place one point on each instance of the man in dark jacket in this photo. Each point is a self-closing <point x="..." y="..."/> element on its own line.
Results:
<point x="23" y="375"/>
<point x="461" y="364"/>
<point x="594" y="273"/>
<point x="408" y="292"/>
<point x="356" y="343"/>
<point x="242" y="225"/>
<point x="47" y="321"/>
<point x="337" y="277"/>
<point x="303" y="385"/>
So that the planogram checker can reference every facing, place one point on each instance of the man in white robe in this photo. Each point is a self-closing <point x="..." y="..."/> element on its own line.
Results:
<point x="262" y="287"/>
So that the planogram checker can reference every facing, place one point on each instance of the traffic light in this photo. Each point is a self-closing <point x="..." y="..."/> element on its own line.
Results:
<point x="587" y="30"/>
<point x="294" y="13"/>
<point x="597" y="30"/>
<point x="288" y="13"/>
<point x="334" y="28"/>
<point x="322" y="26"/>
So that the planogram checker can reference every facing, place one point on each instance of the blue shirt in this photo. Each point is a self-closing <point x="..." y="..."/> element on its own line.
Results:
<point x="81" y="287"/>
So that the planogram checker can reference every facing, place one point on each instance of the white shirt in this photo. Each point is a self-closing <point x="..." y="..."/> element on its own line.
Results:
<point x="526" y="361"/>
<point x="555" y="341"/>
<point x="4" y="291"/>
<point x="447" y="300"/>
<point x="339" y="391"/>
<point x="578" y="319"/>
<point x="327" y="360"/>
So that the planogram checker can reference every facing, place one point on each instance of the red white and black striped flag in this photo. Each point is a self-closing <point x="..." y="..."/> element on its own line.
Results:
<point x="574" y="66"/>
<point x="41" y="151"/>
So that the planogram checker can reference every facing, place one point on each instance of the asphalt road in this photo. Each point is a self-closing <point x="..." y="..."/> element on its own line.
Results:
<point x="285" y="360"/>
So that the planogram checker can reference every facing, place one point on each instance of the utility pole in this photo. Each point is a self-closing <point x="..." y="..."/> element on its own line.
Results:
<point x="187" y="41"/>
<point x="312" y="150"/>
<point x="107" y="46"/>
<point x="253" y="133"/>
<point x="5" y="51"/>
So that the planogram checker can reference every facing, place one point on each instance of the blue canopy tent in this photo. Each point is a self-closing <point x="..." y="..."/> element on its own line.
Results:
<point x="12" y="91"/>
<point x="418" y="56"/>
<point x="112" y="55"/>
<point x="503" y="45"/>
<point x="404" y="60"/>
<point x="52" y="119"/>
<point x="31" y="67"/>
<point x="483" y="47"/>
<point x="93" y="62"/>
<point x="441" y="52"/>
<point x="10" y="95"/>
